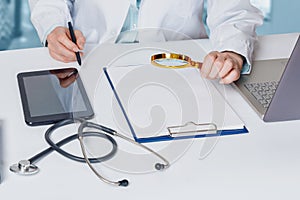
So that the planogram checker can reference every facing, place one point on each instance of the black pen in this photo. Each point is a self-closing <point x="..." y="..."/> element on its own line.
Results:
<point x="74" y="40"/>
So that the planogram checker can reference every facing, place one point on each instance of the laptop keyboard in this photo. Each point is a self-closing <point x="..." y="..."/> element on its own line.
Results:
<point x="263" y="92"/>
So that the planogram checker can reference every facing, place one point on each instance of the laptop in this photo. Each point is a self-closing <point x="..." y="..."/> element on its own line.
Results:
<point x="273" y="87"/>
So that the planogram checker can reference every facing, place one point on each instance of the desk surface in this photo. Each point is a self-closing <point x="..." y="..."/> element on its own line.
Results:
<point x="263" y="164"/>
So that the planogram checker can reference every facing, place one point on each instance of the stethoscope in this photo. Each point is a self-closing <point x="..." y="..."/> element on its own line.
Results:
<point x="28" y="167"/>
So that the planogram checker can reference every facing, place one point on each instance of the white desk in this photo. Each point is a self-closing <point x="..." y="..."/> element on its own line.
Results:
<point x="263" y="164"/>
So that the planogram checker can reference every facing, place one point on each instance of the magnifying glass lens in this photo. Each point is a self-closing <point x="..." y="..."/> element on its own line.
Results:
<point x="171" y="62"/>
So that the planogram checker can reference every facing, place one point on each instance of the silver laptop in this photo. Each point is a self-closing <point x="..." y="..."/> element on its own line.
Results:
<point x="273" y="87"/>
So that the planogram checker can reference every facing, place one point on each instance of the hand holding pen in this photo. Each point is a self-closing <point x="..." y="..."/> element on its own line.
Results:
<point x="73" y="38"/>
<point x="62" y="48"/>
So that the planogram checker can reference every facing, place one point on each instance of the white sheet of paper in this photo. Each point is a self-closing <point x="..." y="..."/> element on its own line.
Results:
<point x="156" y="98"/>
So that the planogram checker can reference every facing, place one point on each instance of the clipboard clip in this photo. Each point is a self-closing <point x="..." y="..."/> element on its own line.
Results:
<point x="192" y="129"/>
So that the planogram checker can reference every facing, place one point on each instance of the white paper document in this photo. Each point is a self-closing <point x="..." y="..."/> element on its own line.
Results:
<point x="155" y="101"/>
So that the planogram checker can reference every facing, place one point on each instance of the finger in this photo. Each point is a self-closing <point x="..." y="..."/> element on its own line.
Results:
<point x="64" y="58"/>
<point x="65" y="41"/>
<point x="227" y="67"/>
<point x="80" y="39"/>
<point x="56" y="56"/>
<point x="60" y="49"/>
<point x="217" y="66"/>
<point x="60" y="57"/>
<point x="207" y="63"/>
<point x="233" y="75"/>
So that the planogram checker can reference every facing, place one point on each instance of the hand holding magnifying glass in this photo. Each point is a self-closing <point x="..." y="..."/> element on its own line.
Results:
<point x="224" y="65"/>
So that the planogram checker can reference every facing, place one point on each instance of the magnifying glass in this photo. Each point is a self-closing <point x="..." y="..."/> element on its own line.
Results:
<point x="174" y="61"/>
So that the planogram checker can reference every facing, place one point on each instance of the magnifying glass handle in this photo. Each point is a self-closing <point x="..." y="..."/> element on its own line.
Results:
<point x="196" y="64"/>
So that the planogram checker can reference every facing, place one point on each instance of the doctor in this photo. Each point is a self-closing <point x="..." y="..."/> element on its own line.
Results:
<point x="232" y="25"/>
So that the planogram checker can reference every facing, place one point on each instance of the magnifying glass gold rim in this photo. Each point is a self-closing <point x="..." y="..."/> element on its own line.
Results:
<point x="176" y="56"/>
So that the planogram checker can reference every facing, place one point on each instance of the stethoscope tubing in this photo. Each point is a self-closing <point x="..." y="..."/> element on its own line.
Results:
<point x="103" y="132"/>
<point x="56" y="146"/>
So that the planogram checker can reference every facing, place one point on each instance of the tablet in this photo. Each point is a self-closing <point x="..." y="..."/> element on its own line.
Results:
<point x="50" y="96"/>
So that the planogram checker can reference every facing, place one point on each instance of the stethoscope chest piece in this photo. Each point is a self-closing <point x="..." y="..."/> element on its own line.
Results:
<point x="24" y="167"/>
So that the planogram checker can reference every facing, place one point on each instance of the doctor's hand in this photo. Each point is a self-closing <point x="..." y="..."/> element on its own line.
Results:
<point x="61" y="46"/>
<point x="224" y="65"/>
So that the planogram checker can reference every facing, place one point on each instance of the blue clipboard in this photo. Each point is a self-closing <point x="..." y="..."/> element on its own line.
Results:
<point x="188" y="130"/>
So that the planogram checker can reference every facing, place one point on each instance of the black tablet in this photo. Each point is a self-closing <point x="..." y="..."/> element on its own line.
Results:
<point x="50" y="96"/>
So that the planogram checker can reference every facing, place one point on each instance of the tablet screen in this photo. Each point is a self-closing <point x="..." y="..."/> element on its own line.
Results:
<point x="53" y="95"/>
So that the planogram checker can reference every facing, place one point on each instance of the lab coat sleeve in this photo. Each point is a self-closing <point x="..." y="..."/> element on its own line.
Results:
<point x="232" y="25"/>
<point x="49" y="14"/>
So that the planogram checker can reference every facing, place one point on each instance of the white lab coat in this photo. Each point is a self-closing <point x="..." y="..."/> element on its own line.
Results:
<point x="231" y="23"/>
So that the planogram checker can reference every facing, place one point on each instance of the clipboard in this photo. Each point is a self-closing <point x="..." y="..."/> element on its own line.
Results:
<point x="211" y="125"/>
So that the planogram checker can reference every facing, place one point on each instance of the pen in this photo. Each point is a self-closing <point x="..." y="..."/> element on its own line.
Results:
<point x="74" y="40"/>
